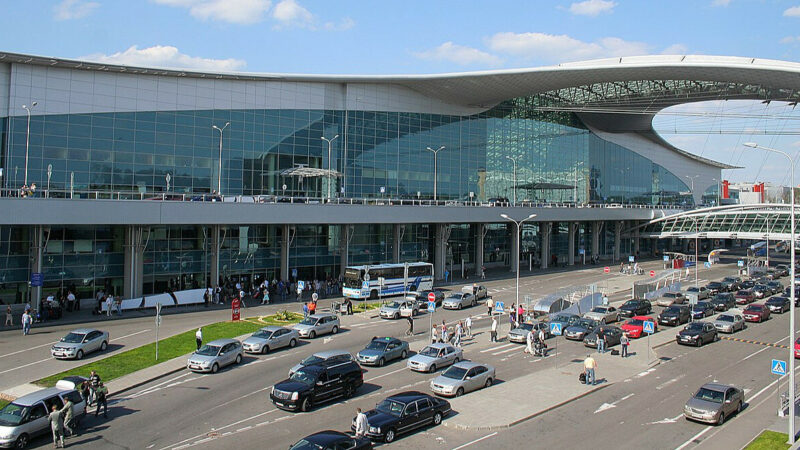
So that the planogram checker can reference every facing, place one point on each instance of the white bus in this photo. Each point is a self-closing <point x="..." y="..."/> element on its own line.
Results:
<point x="364" y="281"/>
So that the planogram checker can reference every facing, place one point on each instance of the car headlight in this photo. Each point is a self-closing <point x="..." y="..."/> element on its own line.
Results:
<point x="448" y="389"/>
<point x="295" y="395"/>
<point x="375" y="430"/>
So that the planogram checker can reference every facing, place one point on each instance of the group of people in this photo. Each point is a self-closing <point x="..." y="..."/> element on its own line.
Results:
<point x="111" y="302"/>
<point x="442" y="334"/>
<point x="275" y="290"/>
<point x="62" y="419"/>
<point x="27" y="191"/>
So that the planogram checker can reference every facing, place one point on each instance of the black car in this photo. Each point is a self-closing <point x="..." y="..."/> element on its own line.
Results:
<point x="331" y="440"/>
<point x="635" y="307"/>
<point x="715" y="287"/>
<point x="317" y="383"/>
<point x="783" y="269"/>
<point x="775" y="286"/>
<point x="422" y="296"/>
<point x="761" y="291"/>
<point x="611" y="335"/>
<point x="723" y="301"/>
<point x="674" y="315"/>
<point x="732" y="283"/>
<point x="778" y="304"/>
<point x="788" y="293"/>
<point x="747" y="284"/>
<point x="697" y="333"/>
<point x="403" y="412"/>
<point x="702" y="309"/>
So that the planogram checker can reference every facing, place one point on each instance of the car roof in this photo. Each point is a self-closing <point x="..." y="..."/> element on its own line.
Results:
<point x="330" y="353"/>
<point x="438" y="345"/>
<point x="718" y="386"/>
<point x="223" y="342"/>
<point x="409" y="396"/>
<point x="386" y="339"/>
<point x="83" y="330"/>
<point x="32" y="398"/>
<point x="469" y="365"/>
<point x="321" y="315"/>
<point x="325" y="437"/>
<point x="273" y="328"/>
<point x="643" y="318"/>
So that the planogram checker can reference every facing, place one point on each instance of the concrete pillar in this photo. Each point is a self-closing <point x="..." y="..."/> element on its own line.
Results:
<point x="399" y="230"/>
<point x="37" y="250"/>
<point x="544" y="231"/>
<point x="573" y="229"/>
<point x="133" y="284"/>
<point x="285" y="252"/>
<point x="440" y="250"/>
<point x="479" y="244"/>
<point x="514" y="250"/>
<point x="617" y="238"/>
<point x="344" y="246"/>
<point x="597" y="226"/>
<point x="215" y="244"/>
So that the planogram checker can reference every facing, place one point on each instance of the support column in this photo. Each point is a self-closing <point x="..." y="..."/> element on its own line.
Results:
<point x="514" y="251"/>
<point x="573" y="229"/>
<point x="653" y="246"/>
<point x="215" y="244"/>
<point x="596" y="228"/>
<point x="344" y="247"/>
<point x="133" y="280"/>
<point x="440" y="250"/>
<point x="37" y="244"/>
<point x="636" y="243"/>
<point x="285" y="252"/>
<point x="479" y="237"/>
<point x="399" y="230"/>
<point x="617" y="238"/>
<point x="544" y="230"/>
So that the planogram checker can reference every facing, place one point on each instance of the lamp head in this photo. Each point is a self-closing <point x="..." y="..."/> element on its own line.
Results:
<point x="750" y="144"/>
<point x="34" y="104"/>
<point x="505" y="216"/>
<point x="531" y="216"/>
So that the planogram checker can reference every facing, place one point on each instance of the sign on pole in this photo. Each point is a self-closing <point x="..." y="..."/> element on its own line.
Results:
<point x="740" y="263"/>
<point x="499" y="307"/>
<point x="431" y="306"/>
<point x="666" y="258"/>
<point x="294" y="273"/>
<point x="631" y="258"/>
<point x="235" y="311"/>
<point x="778" y="367"/>
<point x="606" y="269"/>
<point x="555" y="328"/>
<point x="37" y="279"/>
<point x="652" y="273"/>
<point x="648" y="327"/>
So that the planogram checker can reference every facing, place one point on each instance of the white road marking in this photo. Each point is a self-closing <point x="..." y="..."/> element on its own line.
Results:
<point x="505" y="351"/>
<point x="691" y="439"/>
<point x="606" y="406"/>
<point x="175" y="445"/>
<point x="51" y="343"/>
<point x="476" y="441"/>
<point x="668" y="382"/>
<point x="753" y="354"/>
<point x="666" y="420"/>
<point x="493" y="349"/>
<point x="385" y="374"/>
<point x="326" y="340"/>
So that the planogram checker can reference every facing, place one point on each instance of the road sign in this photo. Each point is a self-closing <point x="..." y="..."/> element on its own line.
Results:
<point x="301" y="285"/>
<point x="648" y="327"/>
<point x="652" y="273"/>
<point x="294" y="273"/>
<point x="555" y="328"/>
<point x="431" y="306"/>
<point x="499" y="307"/>
<point x="666" y="258"/>
<point x="606" y="269"/>
<point x="581" y="251"/>
<point x="740" y="263"/>
<point x="235" y="312"/>
<point x="631" y="258"/>
<point x="707" y="265"/>
<point x="37" y="279"/>
<point x="778" y="367"/>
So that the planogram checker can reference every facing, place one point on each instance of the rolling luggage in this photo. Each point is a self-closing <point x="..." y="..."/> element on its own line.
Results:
<point x="582" y="378"/>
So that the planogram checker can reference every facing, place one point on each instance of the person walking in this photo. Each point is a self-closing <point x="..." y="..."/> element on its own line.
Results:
<point x="410" y="331"/>
<point x="445" y="336"/>
<point x="118" y="305"/>
<point x="457" y="334"/>
<point x="102" y="393"/>
<point x="483" y="272"/>
<point x="601" y="341"/>
<point x="94" y="383"/>
<point x="468" y="324"/>
<point x="434" y="335"/>
<point x="493" y="333"/>
<point x="623" y="342"/>
<point x="71" y="302"/>
<point x="529" y="342"/>
<point x="68" y="417"/>
<point x="85" y="392"/>
<point x="9" y="317"/>
<point x="489" y="306"/>
<point x="589" y="366"/>
<point x="362" y="423"/>
<point x="265" y="296"/>
<point x="27" y="321"/>
<point x="305" y="310"/>
<point x="198" y="336"/>
<point x="56" y="419"/>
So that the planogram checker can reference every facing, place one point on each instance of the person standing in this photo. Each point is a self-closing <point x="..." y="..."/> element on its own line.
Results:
<point x="457" y="334"/>
<point x="529" y="342"/>
<point x="118" y="305"/>
<point x="362" y="424"/>
<point x="445" y="337"/>
<point x="468" y="324"/>
<point x="589" y="366"/>
<point x="410" y="331"/>
<point x="27" y="321"/>
<point x="56" y="419"/>
<point x="102" y="393"/>
<point x="493" y="333"/>
<point x="94" y="383"/>
<point x="265" y="296"/>
<point x="85" y="392"/>
<point x="305" y="310"/>
<point x="489" y="306"/>
<point x="71" y="302"/>
<point x="9" y="317"/>
<point x="434" y="335"/>
<point x="109" y="304"/>
<point x="601" y="341"/>
<point x="623" y="341"/>
<point x="68" y="417"/>
<point x="198" y="336"/>
<point x="483" y="272"/>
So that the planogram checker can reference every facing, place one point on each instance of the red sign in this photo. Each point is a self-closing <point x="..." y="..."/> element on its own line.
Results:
<point x="431" y="297"/>
<point x="606" y="269"/>
<point x="235" y="313"/>
<point x="652" y="273"/>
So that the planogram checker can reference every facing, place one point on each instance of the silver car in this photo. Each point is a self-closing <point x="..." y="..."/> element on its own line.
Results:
<point x="78" y="343"/>
<point x="459" y="300"/>
<point x="603" y="314"/>
<point x="520" y="334"/>
<point x="478" y="290"/>
<point x="433" y="356"/>
<point x="729" y="323"/>
<point x="215" y="355"/>
<point x="463" y="377"/>
<point x="322" y="357"/>
<point x="713" y="403"/>
<point x="398" y="309"/>
<point x="670" y="298"/>
<point x="270" y="338"/>
<point x="317" y="324"/>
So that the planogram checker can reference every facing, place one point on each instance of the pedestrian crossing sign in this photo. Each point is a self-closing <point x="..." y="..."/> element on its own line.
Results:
<point x="555" y="329"/>
<point x="499" y="307"/>
<point x="648" y="327"/>
<point x="778" y="367"/>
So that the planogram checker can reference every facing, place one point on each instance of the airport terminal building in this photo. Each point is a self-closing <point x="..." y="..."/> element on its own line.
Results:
<point x="311" y="173"/>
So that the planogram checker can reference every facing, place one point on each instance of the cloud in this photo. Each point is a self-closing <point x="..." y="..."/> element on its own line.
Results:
<point x="289" y="13"/>
<point x="167" y="57"/>
<point x="723" y="3"/>
<point x="563" y="48"/>
<point x="675" y="49"/>
<point x="592" y="7"/>
<point x="794" y="11"/>
<point x="73" y="9"/>
<point x="233" y="11"/>
<point x="790" y="39"/>
<point x="343" y="25"/>
<point x="459" y="54"/>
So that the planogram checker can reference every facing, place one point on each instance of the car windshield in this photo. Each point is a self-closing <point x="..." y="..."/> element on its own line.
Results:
<point x="777" y="300"/>
<point x="390" y="407"/>
<point x="429" y="351"/>
<point x="600" y="309"/>
<point x="635" y="322"/>
<point x="526" y="327"/>
<point x="303" y="444"/>
<point x="709" y="395"/>
<point x="393" y="305"/>
<point x="631" y="303"/>
<point x="456" y="373"/>
<point x="456" y="296"/>
<point x="725" y="318"/>
<point x="308" y="321"/>
<point x="754" y="308"/>
<point x="313" y="359"/>
<point x="377" y="345"/>
<point x="721" y="297"/>
<point x="670" y="295"/>
<point x="585" y="323"/>
<point x="73" y="338"/>
<point x="673" y="309"/>
<point x="13" y="414"/>
<point x="208" y="350"/>
<point x="263" y="334"/>
<point x="561" y="319"/>
<point x="743" y="293"/>
<point x="303" y="377"/>
<point x="698" y="307"/>
<point x="696" y="326"/>
<point x="730" y="279"/>
<point x="693" y="289"/>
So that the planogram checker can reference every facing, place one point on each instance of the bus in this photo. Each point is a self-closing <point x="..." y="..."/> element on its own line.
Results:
<point x="364" y="281"/>
<point x="757" y="249"/>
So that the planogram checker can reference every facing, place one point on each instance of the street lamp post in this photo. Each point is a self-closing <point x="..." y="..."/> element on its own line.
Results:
<point x="219" y="181"/>
<point x="718" y="190"/>
<point x="28" y="137"/>
<point x="518" y="223"/>
<point x="49" y="174"/>
<point x="790" y="361"/>
<point x="329" y="141"/>
<point x="435" y="168"/>
<point x="514" y="160"/>
<point x="691" y="178"/>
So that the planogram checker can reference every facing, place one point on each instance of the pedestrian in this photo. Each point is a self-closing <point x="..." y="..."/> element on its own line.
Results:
<point x="94" y="383"/>
<point x="68" y="416"/>
<point x="445" y="334"/>
<point x="102" y="393"/>
<point x="410" y="331"/>
<point x="198" y="336"/>
<point x="512" y="318"/>
<point x="458" y="332"/>
<point x="493" y="333"/>
<point x="242" y="294"/>
<point x="299" y="291"/>
<point x="71" y="302"/>
<point x="349" y="305"/>
<point x="468" y="324"/>
<point x="56" y="419"/>
<point x="118" y="305"/>
<point x="434" y="335"/>
<point x="9" y="317"/>
<point x="601" y="341"/>
<point x="362" y="424"/>
<point x="85" y="392"/>
<point x="589" y="366"/>
<point x="542" y="342"/>
<point x="305" y="310"/>
<point x="605" y="300"/>
<point x="27" y="321"/>
<point x="265" y="297"/>
<point x="206" y="297"/>
<point x="687" y="272"/>
<point x="312" y="307"/>
<point x="483" y="272"/>
<point x="623" y="341"/>
<point x="109" y="304"/>
<point x="529" y="342"/>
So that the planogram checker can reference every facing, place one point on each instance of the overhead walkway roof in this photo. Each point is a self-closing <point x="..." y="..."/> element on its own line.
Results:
<point x="761" y="221"/>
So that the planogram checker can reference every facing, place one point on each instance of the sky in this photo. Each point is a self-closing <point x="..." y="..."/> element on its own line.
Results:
<point x="440" y="36"/>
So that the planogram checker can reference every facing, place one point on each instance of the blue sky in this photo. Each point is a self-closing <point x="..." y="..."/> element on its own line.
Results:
<point x="413" y="36"/>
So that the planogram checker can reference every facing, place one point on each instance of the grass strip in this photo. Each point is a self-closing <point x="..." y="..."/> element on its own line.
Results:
<point x="366" y="306"/>
<point x="769" y="440"/>
<point x="3" y="403"/>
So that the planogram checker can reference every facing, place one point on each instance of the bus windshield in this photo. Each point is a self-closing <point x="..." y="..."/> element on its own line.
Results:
<point x="352" y="278"/>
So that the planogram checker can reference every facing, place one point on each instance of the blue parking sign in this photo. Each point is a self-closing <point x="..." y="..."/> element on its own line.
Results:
<point x="648" y="327"/>
<point x="740" y="263"/>
<point x="666" y="258"/>
<point x="555" y="328"/>
<point x="631" y="258"/>
<point x="37" y="279"/>
<point x="707" y="265"/>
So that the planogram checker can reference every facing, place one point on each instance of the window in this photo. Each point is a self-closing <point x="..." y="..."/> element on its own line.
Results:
<point x="411" y="408"/>
<point x="75" y="396"/>
<point x="37" y="412"/>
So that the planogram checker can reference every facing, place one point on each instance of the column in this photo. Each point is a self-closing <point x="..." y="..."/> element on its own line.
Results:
<point x="133" y="280"/>
<point x="479" y="235"/>
<point x="399" y="230"/>
<point x="573" y="228"/>
<point x="617" y="238"/>
<point x="37" y="242"/>
<point x="653" y="246"/>
<point x="544" y="231"/>
<point x="215" y="245"/>
<point x="636" y="243"/>
<point x="514" y="250"/>
<point x="285" y="252"/>
<point x="344" y="246"/>
<point x="440" y="250"/>
<point x="597" y="226"/>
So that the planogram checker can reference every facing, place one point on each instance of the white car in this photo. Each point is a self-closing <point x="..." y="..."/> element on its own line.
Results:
<point x="603" y="314"/>
<point x="459" y="300"/>
<point x="398" y="309"/>
<point x="434" y="356"/>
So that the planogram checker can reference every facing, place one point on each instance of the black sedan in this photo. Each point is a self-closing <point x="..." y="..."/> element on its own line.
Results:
<point x="702" y="309"/>
<point x="611" y="335"/>
<point x="723" y="301"/>
<point x="674" y="315"/>
<point x="715" y="287"/>
<point x="404" y="412"/>
<point x="778" y="304"/>
<point x="697" y="333"/>
<point x="331" y="440"/>
<point x="635" y="307"/>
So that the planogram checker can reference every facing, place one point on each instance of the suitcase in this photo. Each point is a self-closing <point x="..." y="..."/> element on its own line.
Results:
<point x="614" y="352"/>
<point x="582" y="378"/>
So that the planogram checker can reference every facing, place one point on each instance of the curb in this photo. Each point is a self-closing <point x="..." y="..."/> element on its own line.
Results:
<point x="143" y="382"/>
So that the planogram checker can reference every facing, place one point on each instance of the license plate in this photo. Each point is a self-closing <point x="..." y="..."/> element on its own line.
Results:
<point x="279" y="403"/>
<point x="194" y="367"/>
<point x="58" y="354"/>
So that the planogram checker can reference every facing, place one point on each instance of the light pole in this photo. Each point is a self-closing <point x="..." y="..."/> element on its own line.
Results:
<point x="514" y="160"/>
<point x="691" y="178"/>
<point x="219" y="181"/>
<point x="28" y="137"/>
<point x="718" y="190"/>
<point x="49" y="174"/>
<point x="790" y="361"/>
<point x="435" y="168"/>
<point x="516" y="257"/>
<point x="575" y="188"/>
<point x="329" y="141"/>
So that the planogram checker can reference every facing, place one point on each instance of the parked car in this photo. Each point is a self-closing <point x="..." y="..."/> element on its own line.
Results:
<point x="635" y="307"/>
<point x="270" y="338"/>
<point x="331" y="440"/>
<point x="697" y="292"/>
<point x="634" y="327"/>
<point x="723" y="301"/>
<point x="317" y="383"/>
<point x="774" y="274"/>
<point x="317" y="324"/>
<point x="380" y="350"/>
<point x="744" y="297"/>
<point x="747" y="284"/>
<point x="578" y="330"/>
<point x="215" y="355"/>
<point x="322" y="357"/>
<point x="403" y="412"/>
<point x="434" y="356"/>
<point x="398" y="309"/>
<point x="611" y="335"/>
<point x="422" y="296"/>
<point x="78" y="343"/>
<point x="761" y="291"/>
<point x="478" y="290"/>
<point x="520" y="334"/>
<point x="775" y="286"/>
<point x="674" y="315"/>
<point x="729" y="323"/>
<point x="714" y="288"/>
<point x="732" y="283"/>
<point x="756" y="313"/>
<point x="565" y="319"/>
<point x="27" y="416"/>
<point x="779" y="304"/>
<point x="697" y="333"/>
<point x="670" y="298"/>
<point x="783" y="269"/>
<point x="603" y="314"/>
<point x="463" y="377"/>
<point x="458" y="300"/>
<point x="702" y="310"/>
<point x="713" y="403"/>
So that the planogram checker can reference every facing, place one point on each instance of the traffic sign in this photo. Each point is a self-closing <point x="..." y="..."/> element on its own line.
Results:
<point x="294" y="273"/>
<point x="666" y="258"/>
<point x="778" y="367"/>
<point x="740" y="263"/>
<point x="648" y="327"/>
<point x="707" y="265"/>
<point x="606" y="269"/>
<point x="37" y="279"/>
<point x="431" y="306"/>
<point x="652" y="273"/>
<point x="499" y="307"/>
<point x="555" y="328"/>
<point x="301" y="285"/>
<point x="431" y="297"/>
<point x="235" y="312"/>
<point x="581" y="251"/>
<point x="631" y="258"/>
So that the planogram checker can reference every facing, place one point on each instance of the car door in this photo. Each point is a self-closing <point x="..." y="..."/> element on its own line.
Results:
<point x="392" y="350"/>
<point x="426" y="411"/>
<point x="281" y="338"/>
<point x="476" y="377"/>
<point x="450" y="355"/>
<point x="93" y="341"/>
<point x="729" y="405"/>
<point x="36" y="421"/>
<point x="409" y="418"/>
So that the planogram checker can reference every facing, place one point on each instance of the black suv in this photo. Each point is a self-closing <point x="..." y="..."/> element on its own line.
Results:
<point x="674" y="315"/>
<point x="697" y="333"/>
<point x="317" y="383"/>
<point x="403" y="412"/>
<point x="635" y="307"/>
<point x="723" y="301"/>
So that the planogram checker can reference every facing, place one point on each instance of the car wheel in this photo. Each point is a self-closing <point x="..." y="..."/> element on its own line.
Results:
<point x="488" y="383"/>
<point x="335" y="329"/>
<point x="403" y="355"/>
<point x="22" y="441"/>
<point x="456" y="361"/>
<point x="293" y="343"/>
<point x="312" y="335"/>
<point x="739" y="408"/>
<point x="459" y="306"/>
<point x="395" y="316"/>
<point x="79" y="355"/>
<point x="721" y="419"/>
<point x="460" y="392"/>
<point x="265" y="349"/>
<point x="389" y="436"/>
<point x="215" y="368"/>
<point x="437" y="418"/>
<point x="699" y="342"/>
<point x="433" y="368"/>
<point x="306" y="405"/>
<point x="381" y="362"/>
<point x="348" y="391"/>
<point x="238" y="358"/>
<point x="103" y="346"/>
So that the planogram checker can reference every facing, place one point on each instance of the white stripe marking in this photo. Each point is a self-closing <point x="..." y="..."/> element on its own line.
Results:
<point x="494" y="349"/>
<point x="476" y="441"/>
